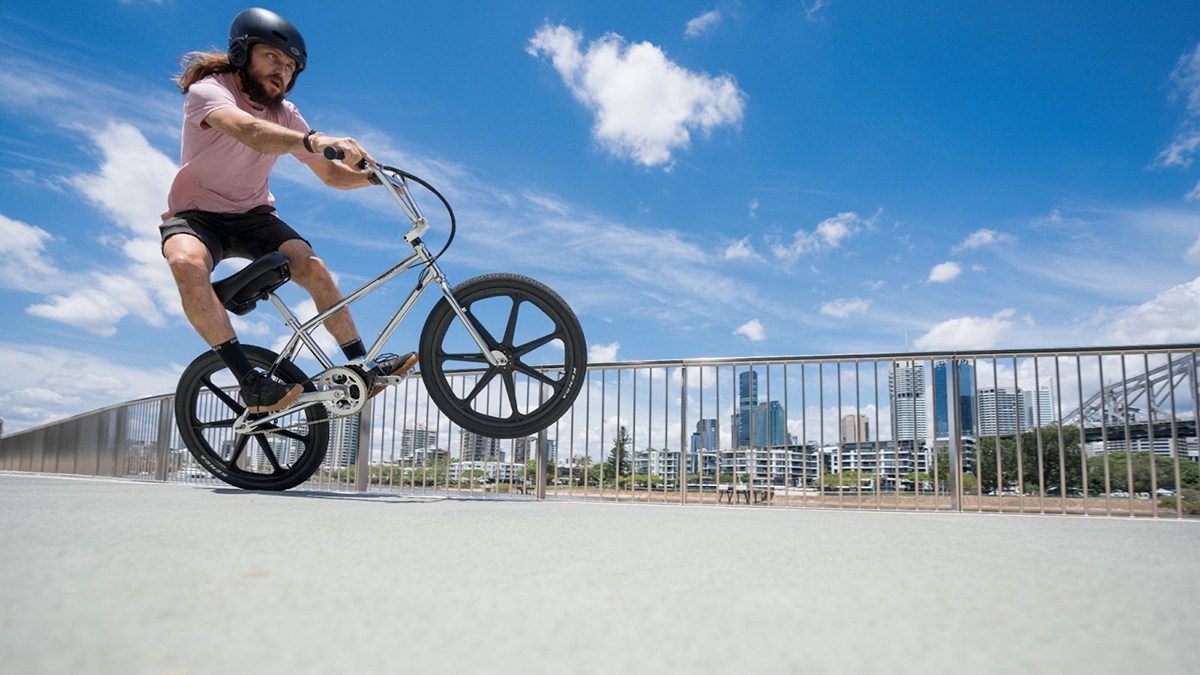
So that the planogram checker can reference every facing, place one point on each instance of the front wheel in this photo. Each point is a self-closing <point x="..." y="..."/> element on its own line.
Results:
<point x="538" y="333"/>
<point x="207" y="405"/>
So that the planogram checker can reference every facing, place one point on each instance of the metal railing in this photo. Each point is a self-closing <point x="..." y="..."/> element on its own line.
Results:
<point x="1107" y="431"/>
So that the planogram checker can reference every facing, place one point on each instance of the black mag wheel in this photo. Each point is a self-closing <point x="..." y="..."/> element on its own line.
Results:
<point x="533" y="327"/>
<point x="206" y="406"/>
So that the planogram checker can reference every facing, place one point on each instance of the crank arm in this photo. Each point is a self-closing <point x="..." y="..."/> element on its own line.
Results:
<point x="244" y="425"/>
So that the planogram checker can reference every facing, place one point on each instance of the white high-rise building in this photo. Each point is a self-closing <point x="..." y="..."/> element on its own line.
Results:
<point x="998" y="412"/>
<point x="414" y="437"/>
<point x="1003" y="412"/>
<point x="906" y="383"/>
<point x="1038" y="408"/>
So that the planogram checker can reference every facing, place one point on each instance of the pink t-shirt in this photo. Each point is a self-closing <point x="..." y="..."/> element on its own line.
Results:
<point x="218" y="172"/>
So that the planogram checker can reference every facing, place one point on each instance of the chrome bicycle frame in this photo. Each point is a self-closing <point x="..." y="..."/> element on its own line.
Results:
<point x="432" y="274"/>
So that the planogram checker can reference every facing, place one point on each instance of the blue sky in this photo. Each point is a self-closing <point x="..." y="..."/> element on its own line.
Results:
<point x="696" y="178"/>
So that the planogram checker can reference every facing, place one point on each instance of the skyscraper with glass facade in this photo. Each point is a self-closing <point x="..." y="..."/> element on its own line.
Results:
<point x="966" y="397"/>
<point x="747" y="399"/>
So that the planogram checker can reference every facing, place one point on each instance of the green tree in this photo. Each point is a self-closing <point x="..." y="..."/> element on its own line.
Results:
<point x="988" y="457"/>
<point x="618" y="462"/>
<point x="1118" y="473"/>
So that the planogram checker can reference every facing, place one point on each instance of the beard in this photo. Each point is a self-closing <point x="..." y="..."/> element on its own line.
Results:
<point x="254" y="90"/>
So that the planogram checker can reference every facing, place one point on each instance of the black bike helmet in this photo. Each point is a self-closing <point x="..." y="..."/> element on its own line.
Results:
<point x="262" y="25"/>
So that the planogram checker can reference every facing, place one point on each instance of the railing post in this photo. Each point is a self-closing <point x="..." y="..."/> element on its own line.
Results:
<point x="683" y="436"/>
<point x="954" y="413"/>
<point x="121" y="446"/>
<point x="362" y="455"/>
<point x="164" y="439"/>
<point x="539" y="473"/>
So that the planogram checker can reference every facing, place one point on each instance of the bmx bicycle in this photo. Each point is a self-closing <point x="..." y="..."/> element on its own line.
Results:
<point x="501" y="355"/>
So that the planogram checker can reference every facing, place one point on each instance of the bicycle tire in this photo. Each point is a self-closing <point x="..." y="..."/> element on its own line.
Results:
<point x="205" y="413"/>
<point x="542" y="338"/>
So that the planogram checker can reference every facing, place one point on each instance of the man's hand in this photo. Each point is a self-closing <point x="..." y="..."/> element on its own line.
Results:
<point x="354" y="153"/>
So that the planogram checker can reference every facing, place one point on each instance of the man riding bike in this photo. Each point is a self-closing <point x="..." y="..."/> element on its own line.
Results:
<point x="236" y="124"/>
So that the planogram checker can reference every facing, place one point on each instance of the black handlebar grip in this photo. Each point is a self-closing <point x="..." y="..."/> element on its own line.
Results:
<point x="334" y="153"/>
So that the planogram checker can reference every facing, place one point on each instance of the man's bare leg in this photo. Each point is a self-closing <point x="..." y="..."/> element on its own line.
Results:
<point x="191" y="266"/>
<point x="310" y="272"/>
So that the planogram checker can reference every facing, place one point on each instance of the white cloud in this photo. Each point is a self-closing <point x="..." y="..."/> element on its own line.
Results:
<point x="842" y="308"/>
<point x="42" y="384"/>
<point x="1171" y="316"/>
<point x="1193" y="252"/>
<point x="132" y="183"/>
<point x="813" y="9"/>
<point x="646" y="106"/>
<point x="1194" y="194"/>
<point x="741" y="249"/>
<point x="23" y="263"/>
<point x="829" y="234"/>
<point x="702" y="24"/>
<point x="982" y="238"/>
<point x="1180" y="150"/>
<point x="89" y="308"/>
<point x="1186" y="79"/>
<point x="752" y="207"/>
<point x="944" y="272"/>
<point x="130" y="187"/>
<point x="603" y="353"/>
<point x="968" y="332"/>
<point x="752" y="330"/>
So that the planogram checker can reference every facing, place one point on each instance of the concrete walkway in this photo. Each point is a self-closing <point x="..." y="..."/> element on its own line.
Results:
<point x="100" y="576"/>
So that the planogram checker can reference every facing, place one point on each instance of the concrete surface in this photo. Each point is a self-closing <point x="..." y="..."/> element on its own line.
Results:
<point x="101" y="576"/>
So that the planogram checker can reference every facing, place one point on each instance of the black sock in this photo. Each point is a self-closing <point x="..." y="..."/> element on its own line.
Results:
<point x="354" y="349"/>
<point x="234" y="356"/>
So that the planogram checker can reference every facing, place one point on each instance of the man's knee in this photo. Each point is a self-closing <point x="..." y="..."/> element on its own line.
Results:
<point x="305" y="265"/>
<point x="187" y="256"/>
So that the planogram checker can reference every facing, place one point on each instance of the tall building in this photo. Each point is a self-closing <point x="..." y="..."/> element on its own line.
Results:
<point x="1004" y="412"/>
<point x="906" y="383"/>
<point x="998" y="411"/>
<point x="768" y="425"/>
<point x="966" y="398"/>
<point x="705" y="436"/>
<point x="416" y="437"/>
<point x="757" y="424"/>
<point x="747" y="399"/>
<point x="1038" y="408"/>
<point x="343" y="443"/>
<point x="525" y="449"/>
<point x="475" y="448"/>
<point x="856" y="429"/>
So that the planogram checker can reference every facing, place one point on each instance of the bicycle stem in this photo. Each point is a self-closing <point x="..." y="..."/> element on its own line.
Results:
<point x="400" y="194"/>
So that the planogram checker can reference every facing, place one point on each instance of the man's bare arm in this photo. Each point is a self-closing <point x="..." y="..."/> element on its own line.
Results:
<point x="273" y="139"/>
<point x="266" y="137"/>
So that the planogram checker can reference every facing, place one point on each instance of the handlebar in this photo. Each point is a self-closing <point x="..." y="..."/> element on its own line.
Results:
<point x="387" y="177"/>
<point x="337" y="155"/>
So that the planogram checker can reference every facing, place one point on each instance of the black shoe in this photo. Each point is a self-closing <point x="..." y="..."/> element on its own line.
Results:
<point x="390" y="365"/>
<point x="261" y="394"/>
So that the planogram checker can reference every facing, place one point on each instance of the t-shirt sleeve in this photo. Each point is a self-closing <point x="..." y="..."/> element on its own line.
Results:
<point x="204" y="97"/>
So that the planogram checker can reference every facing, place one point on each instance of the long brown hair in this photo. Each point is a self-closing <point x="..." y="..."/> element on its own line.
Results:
<point x="199" y="65"/>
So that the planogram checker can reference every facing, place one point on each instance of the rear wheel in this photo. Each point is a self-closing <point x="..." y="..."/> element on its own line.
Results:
<point x="206" y="406"/>
<point x="538" y="333"/>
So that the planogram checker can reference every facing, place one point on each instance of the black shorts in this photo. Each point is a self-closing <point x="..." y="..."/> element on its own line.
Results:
<point x="232" y="235"/>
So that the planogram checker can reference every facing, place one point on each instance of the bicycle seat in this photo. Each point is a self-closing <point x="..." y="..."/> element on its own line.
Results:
<point x="242" y="290"/>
